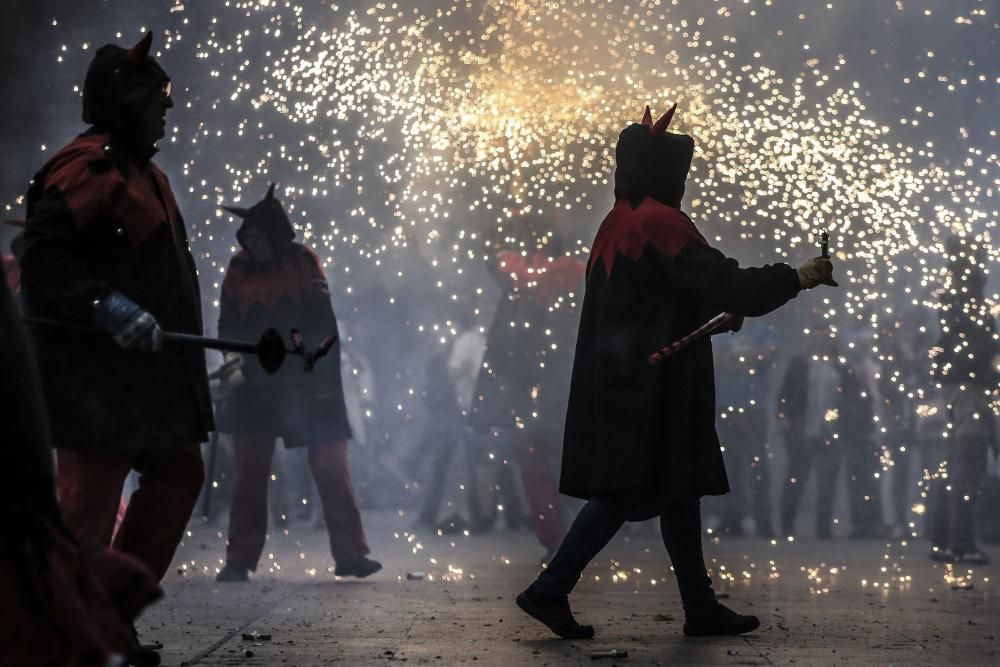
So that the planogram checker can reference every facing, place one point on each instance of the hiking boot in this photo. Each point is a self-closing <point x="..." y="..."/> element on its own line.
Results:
<point x="554" y="613"/>
<point x="720" y="621"/>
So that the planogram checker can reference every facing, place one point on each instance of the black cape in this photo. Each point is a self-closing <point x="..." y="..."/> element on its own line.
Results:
<point x="303" y="409"/>
<point x="101" y="220"/>
<point x="630" y="426"/>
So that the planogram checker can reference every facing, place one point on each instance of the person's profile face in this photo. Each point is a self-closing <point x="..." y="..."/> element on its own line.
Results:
<point x="153" y="114"/>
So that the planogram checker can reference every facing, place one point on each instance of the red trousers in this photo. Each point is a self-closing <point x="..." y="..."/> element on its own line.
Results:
<point x="90" y="488"/>
<point x="248" y="511"/>
<point x="540" y="488"/>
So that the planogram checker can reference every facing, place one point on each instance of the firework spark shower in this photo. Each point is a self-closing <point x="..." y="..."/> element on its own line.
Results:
<point x="422" y="150"/>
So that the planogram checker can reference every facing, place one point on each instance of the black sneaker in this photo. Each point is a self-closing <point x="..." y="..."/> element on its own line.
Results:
<point x="357" y="567"/>
<point x="720" y="621"/>
<point x="230" y="574"/>
<point x="554" y="613"/>
<point x="143" y="655"/>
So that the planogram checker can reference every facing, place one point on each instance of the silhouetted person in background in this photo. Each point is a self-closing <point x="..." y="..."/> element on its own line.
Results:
<point x="963" y="362"/>
<point x="826" y="420"/>
<point x="275" y="282"/>
<point x="524" y="383"/>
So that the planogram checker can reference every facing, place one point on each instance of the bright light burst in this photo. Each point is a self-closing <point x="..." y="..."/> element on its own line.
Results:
<point x="428" y="127"/>
<point x="461" y="115"/>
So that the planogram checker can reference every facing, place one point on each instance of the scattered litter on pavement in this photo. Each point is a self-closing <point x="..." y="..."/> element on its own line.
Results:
<point x="613" y="653"/>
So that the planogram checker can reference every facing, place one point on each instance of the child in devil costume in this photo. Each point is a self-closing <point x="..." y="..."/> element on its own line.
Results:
<point x="275" y="282"/>
<point x="105" y="255"/>
<point x="640" y="439"/>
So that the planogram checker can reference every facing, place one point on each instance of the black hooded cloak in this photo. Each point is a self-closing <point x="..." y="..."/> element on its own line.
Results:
<point x="651" y="279"/>
<point x="102" y="217"/>
<point x="291" y="292"/>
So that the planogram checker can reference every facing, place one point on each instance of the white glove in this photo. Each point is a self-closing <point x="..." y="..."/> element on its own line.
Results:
<point x="129" y="325"/>
<point x="816" y="271"/>
<point x="232" y="370"/>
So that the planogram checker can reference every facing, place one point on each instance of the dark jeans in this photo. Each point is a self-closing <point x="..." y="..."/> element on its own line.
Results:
<point x="599" y="521"/>
<point x="443" y="440"/>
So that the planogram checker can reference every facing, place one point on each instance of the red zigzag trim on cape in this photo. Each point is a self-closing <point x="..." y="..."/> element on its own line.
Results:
<point x="626" y="232"/>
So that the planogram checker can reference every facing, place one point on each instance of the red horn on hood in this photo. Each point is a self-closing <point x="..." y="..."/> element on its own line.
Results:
<point x="138" y="53"/>
<point x="270" y="192"/>
<point x="647" y="117"/>
<point x="237" y="211"/>
<point x="661" y="125"/>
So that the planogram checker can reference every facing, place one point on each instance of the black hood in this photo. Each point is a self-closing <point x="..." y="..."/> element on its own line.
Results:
<point x="269" y="215"/>
<point x="650" y="164"/>
<point x="117" y="80"/>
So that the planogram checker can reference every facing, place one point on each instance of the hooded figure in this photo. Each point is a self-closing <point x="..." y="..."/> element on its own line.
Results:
<point x="651" y="279"/>
<point x="276" y="282"/>
<point x="640" y="439"/>
<point x="287" y="291"/>
<point x="962" y="364"/>
<point x="117" y="81"/>
<point x="105" y="255"/>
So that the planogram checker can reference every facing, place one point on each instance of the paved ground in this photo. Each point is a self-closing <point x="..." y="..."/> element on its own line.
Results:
<point x="819" y="602"/>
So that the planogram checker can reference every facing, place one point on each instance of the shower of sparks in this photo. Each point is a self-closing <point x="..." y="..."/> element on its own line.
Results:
<point x="424" y="131"/>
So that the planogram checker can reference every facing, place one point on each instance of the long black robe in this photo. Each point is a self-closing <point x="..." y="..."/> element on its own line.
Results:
<point x="302" y="408"/>
<point x="653" y="278"/>
<point x="100" y="220"/>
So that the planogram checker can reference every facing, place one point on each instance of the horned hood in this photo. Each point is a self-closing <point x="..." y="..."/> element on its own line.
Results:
<point x="269" y="215"/>
<point x="118" y="78"/>
<point x="651" y="162"/>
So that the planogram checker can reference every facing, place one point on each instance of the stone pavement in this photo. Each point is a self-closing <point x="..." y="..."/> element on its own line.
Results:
<point x="820" y="603"/>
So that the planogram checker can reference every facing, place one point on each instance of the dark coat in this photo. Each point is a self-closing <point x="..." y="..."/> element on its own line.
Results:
<point x="99" y="220"/>
<point x="652" y="278"/>
<point x="526" y="365"/>
<point x="302" y="408"/>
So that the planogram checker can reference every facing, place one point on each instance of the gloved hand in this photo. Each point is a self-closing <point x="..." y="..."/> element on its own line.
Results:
<point x="816" y="271"/>
<point x="129" y="325"/>
<point x="231" y="371"/>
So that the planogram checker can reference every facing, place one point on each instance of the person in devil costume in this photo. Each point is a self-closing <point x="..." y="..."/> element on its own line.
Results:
<point x="105" y="257"/>
<point x="61" y="603"/>
<point x="275" y="282"/>
<point x="523" y="383"/>
<point x="640" y="439"/>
